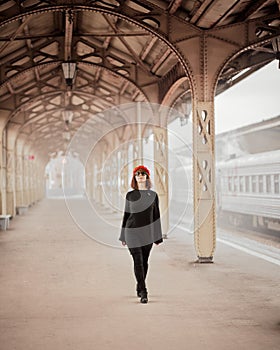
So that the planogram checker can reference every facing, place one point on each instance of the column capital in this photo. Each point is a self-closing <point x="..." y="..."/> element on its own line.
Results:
<point x="205" y="52"/>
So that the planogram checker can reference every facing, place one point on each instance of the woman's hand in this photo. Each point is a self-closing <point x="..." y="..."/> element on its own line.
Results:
<point x="158" y="241"/>
<point x="124" y="243"/>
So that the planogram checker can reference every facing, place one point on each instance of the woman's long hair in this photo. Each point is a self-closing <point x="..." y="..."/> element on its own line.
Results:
<point x="134" y="183"/>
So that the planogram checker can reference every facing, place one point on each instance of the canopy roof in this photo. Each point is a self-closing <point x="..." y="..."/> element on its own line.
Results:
<point x="121" y="50"/>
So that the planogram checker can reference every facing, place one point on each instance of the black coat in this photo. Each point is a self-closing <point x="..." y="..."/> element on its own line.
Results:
<point x="141" y="220"/>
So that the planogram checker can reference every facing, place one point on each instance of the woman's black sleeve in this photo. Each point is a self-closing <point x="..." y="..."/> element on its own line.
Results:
<point x="157" y="223"/>
<point x="125" y="217"/>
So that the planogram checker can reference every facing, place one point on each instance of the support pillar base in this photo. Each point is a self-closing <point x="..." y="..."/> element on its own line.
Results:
<point x="4" y="222"/>
<point x="205" y="260"/>
<point x="21" y="209"/>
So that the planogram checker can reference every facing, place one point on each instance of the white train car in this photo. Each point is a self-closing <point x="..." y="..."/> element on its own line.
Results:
<point x="248" y="189"/>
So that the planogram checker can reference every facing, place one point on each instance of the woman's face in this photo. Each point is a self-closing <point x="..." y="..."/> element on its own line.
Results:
<point x="141" y="177"/>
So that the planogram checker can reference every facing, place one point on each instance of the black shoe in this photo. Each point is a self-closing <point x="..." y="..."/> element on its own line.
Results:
<point x="144" y="297"/>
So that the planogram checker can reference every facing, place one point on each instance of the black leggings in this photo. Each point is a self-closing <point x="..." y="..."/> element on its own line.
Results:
<point x="140" y="257"/>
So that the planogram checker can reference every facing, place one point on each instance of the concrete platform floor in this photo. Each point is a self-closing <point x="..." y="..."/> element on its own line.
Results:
<point x="60" y="289"/>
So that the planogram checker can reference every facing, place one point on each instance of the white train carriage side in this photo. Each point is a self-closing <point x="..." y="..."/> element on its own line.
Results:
<point x="248" y="189"/>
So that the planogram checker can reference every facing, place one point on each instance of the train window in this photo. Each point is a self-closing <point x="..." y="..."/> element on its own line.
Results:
<point x="230" y="187"/>
<point x="260" y="183"/>
<point x="254" y="183"/>
<point x="241" y="184"/>
<point x="276" y="183"/>
<point x="268" y="183"/>
<point x="247" y="184"/>
<point x="225" y="183"/>
<point x="235" y="184"/>
<point x="222" y="183"/>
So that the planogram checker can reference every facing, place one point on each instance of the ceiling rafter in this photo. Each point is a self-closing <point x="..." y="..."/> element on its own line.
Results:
<point x="14" y="35"/>
<point x="173" y="6"/>
<point x="199" y="9"/>
<point x="252" y="9"/>
<point x="160" y="60"/>
<point x="69" y="23"/>
<point x="226" y="14"/>
<point x="10" y="88"/>
<point x="28" y="41"/>
<point x="76" y="34"/>
<point x="147" y="48"/>
<point x="128" y="47"/>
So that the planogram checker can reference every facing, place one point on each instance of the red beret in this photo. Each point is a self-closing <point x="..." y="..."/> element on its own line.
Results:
<point x="141" y="167"/>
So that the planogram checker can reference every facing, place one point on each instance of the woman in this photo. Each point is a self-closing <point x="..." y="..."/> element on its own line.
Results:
<point x="141" y="226"/>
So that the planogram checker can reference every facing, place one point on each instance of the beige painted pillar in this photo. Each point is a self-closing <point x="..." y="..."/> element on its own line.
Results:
<point x="40" y="179"/>
<point x="10" y="172"/>
<point x="4" y="117"/>
<point x="114" y="172"/>
<point x="94" y="181"/>
<point x="98" y="196"/>
<point x="90" y="180"/>
<point x="26" y="182"/>
<point x="137" y="151"/>
<point x="43" y="179"/>
<point x="161" y="173"/>
<point x="94" y="177"/>
<point x="204" y="179"/>
<point x="124" y="185"/>
<point x="103" y="179"/>
<point x="3" y="171"/>
<point x="32" y="177"/>
<point x="1" y="167"/>
<point x="19" y="174"/>
<point x="37" y="178"/>
<point x="139" y="140"/>
<point x="103" y="175"/>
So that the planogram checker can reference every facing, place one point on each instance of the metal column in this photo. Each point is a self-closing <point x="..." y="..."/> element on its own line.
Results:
<point x="10" y="173"/>
<point x="161" y="173"/>
<point x="19" y="175"/>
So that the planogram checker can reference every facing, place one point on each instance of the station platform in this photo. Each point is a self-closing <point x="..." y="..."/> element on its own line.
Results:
<point x="61" y="289"/>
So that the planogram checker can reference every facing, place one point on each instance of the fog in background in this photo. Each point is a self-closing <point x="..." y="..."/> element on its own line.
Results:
<point x="252" y="100"/>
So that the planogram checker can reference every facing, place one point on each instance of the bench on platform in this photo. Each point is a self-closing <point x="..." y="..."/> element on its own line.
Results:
<point x="4" y="222"/>
<point x="22" y="209"/>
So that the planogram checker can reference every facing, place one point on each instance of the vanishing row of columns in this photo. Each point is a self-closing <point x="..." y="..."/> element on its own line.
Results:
<point x="108" y="173"/>
<point x="22" y="175"/>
